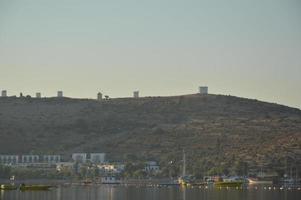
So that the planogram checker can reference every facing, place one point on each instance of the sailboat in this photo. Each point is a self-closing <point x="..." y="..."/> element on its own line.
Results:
<point x="185" y="180"/>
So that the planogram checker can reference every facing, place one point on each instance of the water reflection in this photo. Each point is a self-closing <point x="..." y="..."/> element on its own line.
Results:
<point x="102" y="192"/>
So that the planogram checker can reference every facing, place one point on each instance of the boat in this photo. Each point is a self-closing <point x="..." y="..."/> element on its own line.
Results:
<point x="185" y="180"/>
<point x="24" y="187"/>
<point x="110" y="180"/>
<point x="228" y="184"/>
<point x="87" y="182"/>
<point x="259" y="181"/>
<point x="8" y="187"/>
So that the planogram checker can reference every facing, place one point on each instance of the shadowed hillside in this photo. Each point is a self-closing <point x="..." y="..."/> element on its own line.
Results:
<point x="214" y="130"/>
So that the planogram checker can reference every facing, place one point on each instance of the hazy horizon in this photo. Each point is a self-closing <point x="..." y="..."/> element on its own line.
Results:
<point x="248" y="49"/>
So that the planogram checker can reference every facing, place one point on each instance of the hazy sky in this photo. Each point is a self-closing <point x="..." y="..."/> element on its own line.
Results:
<point x="247" y="48"/>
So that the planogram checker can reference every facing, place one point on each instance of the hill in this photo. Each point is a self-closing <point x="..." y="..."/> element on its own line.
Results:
<point x="221" y="133"/>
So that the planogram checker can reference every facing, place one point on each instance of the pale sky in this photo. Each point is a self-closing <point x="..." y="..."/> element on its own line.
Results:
<point x="246" y="48"/>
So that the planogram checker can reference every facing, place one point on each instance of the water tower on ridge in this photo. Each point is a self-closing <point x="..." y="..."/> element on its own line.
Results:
<point x="60" y="94"/>
<point x="38" y="95"/>
<point x="4" y="93"/>
<point x="99" y="96"/>
<point x="136" y="94"/>
<point x="203" y="90"/>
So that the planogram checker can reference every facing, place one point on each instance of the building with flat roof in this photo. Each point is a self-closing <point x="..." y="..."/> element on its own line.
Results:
<point x="38" y="95"/>
<point x="9" y="159"/>
<point x="136" y="94"/>
<point x="97" y="158"/>
<point x="203" y="90"/>
<point x="59" y="93"/>
<point x="99" y="96"/>
<point x="152" y="166"/>
<point x="52" y="158"/>
<point x="79" y="157"/>
<point x="4" y="93"/>
<point x="30" y="158"/>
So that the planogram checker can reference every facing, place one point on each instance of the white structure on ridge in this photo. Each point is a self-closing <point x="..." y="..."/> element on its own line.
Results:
<point x="136" y="94"/>
<point x="99" y="96"/>
<point x="4" y="93"/>
<point x="203" y="90"/>
<point x="60" y="94"/>
<point x="38" y="95"/>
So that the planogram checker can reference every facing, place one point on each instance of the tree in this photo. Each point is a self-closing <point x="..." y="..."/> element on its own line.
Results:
<point x="5" y="171"/>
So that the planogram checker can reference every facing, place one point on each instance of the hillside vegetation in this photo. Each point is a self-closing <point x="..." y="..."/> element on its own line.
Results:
<point x="219" y="133"/>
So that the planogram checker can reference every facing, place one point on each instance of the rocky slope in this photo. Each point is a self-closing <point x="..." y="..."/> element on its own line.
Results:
<point x="215" y="130"/>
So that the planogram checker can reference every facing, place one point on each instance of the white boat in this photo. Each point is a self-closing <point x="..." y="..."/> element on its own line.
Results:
<point x="110" y="180"/>
<point x="259" y="181"/>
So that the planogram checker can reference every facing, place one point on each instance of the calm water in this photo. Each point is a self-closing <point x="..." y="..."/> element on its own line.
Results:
<point x="104" y="192"/>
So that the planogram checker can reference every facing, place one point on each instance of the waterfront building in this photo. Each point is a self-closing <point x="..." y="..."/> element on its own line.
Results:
<point x="30" y="158"/>
<point x="79" y="157"/>
<point x="203" y="90"/>
<point x="9" y="159"/>
<point x="111" y="168"/>
<point x="51" y="158"/>
<point x="97" y="158"/>
<point x="152" y="166"/>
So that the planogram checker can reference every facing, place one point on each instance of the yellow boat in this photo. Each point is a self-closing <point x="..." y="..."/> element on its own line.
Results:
<point x="24" y="187"/>
<point x="8" y="187"/>
<point x="228" y="184"/>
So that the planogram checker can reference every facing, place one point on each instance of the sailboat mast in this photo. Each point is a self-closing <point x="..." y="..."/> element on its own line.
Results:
<point x="184" y="163"/>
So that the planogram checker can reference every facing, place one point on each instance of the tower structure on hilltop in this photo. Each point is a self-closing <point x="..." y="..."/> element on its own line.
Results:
<point x="203" y="90"/>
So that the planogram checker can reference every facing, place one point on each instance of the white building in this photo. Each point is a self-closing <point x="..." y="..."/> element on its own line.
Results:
<point x="203" y="90"/>
<point x="38" y="95"/>
<point x="97" y="157"/>
<point x="79" y="157"/>
<point x="9" y="159"/>
<point x="111" y="168"/>
<point x="4" y="93"/>
<point x="99" y="96"/>
<point x="152" y="166"/>
<point x="136" y="94"/>
<point x="60" y="94"/>
<point x="51" y="158"/>
<point x="30" y="159"/>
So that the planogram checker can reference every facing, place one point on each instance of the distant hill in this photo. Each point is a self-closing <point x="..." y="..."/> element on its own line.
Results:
<point x="215" y="130"/>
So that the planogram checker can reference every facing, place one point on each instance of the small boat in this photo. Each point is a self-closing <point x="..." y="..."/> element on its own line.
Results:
<point x="228" y="184"/>
<point x="8" y="187"/>
<point x="186" y="181"/>
<point x="87" y="182"/>
<point x="110" y="180"/>
<point x="24" y="187"/>
<point x="259" y="181"/>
